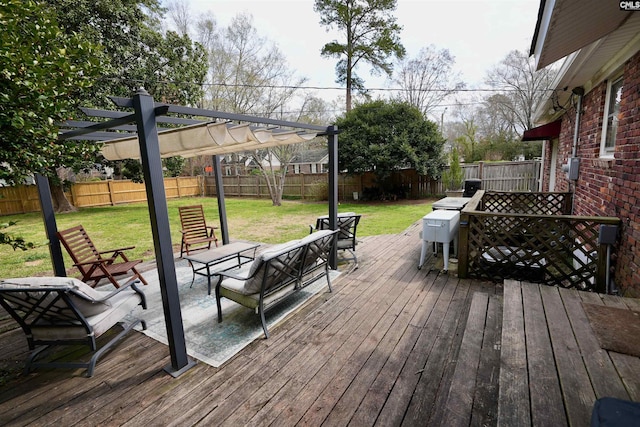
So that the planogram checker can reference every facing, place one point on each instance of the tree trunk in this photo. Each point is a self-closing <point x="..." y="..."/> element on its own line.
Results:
<point x="271" y="186"/>
<point x="60" y="201"/>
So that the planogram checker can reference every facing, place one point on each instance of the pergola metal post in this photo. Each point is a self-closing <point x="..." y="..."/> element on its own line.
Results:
<point x="222" y="209"/>
<point x="48" y="215"/>
<point x="332" y="140"/>
<point x="159" y="216"/>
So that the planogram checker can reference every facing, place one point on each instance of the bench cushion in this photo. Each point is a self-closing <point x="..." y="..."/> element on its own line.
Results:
<point x="315" y="241"/>
<point x="257" y="270"/>
<point x="84" y="302"/>
<point x="253" y="300"/>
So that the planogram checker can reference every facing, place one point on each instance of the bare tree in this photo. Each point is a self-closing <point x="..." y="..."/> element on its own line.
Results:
<point x="497" y="118"/>
<point x="465" y="132"/>
<point x="248" y="74"/>
<point x="207" y="31"/>
<point x="428" y="79"/>
<point x="522" y="86"/>
<point x="314" y="110"/>
<point x="179" y="14"/>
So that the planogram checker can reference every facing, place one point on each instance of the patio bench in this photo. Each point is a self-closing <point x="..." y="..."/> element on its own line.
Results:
<point x="277" y="273"/>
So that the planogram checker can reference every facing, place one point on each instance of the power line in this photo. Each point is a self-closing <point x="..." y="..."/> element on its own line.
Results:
<point x="301" y="87"/>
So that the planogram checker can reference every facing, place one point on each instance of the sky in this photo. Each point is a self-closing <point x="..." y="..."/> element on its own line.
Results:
<point x="478" y="33"/>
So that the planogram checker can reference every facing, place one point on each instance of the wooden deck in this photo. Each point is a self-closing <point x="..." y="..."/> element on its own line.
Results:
<point x="391" y="346"/>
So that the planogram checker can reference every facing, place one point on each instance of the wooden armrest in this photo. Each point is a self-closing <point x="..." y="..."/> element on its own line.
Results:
<point x="117" y="250"/>
<point x="96" y="262"/>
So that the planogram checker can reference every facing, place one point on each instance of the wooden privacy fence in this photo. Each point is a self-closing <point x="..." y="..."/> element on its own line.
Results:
<point x="407" y="183"/>
<point x="506" y="176"/>
<point x="312" y="186"/>
<point x="531" y="236"/>
<point x="24" y="198"/>
<point x="108" y="193"/>
<point x="499" y="176"/>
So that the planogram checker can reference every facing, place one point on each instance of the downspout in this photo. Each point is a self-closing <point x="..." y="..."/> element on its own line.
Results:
<point x="580" y="92"/>
<point x="576" y="129"/>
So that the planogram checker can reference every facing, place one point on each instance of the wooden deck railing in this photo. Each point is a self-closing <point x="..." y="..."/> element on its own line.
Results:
<point x="530" y="236"/>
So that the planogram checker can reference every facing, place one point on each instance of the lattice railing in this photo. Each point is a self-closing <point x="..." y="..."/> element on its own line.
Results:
<point x="558" y="250"/>
<point x="527" y="203"/>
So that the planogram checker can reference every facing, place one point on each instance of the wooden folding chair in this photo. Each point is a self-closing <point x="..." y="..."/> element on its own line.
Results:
<point x="195" y="231"/>
<point x="95" y="265"/>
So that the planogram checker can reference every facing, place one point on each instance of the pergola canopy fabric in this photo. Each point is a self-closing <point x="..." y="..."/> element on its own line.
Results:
<point x="210" y="138"/>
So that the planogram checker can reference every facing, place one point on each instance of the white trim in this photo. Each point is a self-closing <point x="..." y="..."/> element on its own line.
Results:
<point x="553" y="167"/>
<point x="545" y="21"/>
<point x="604" y="151"/>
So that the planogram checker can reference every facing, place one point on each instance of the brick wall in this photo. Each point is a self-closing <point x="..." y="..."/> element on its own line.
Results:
<point x="609" y="187"/>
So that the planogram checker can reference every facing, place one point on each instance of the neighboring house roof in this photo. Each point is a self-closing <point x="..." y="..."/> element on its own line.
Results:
<point x="251" y="161"/>
<point x="595" y="37"/>
<point x="311" y="156"/>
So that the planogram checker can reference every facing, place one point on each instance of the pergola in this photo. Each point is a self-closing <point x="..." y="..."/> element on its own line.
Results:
<point x="137" y="135"/>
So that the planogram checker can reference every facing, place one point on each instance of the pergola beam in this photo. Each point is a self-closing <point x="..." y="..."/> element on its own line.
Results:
<point x="178" y="109"/>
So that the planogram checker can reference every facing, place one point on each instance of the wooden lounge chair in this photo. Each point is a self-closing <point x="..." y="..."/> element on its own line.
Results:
<point x="195" y="231"/>
<point x="95" y="265"/>
<point x="63" y="311"/>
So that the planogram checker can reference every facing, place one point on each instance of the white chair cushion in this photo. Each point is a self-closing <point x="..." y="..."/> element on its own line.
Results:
<point x="254" y="283"/>
<point x="84" y="302"/>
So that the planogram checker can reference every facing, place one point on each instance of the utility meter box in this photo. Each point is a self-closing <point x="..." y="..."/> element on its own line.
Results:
<point x="571" y="168"/>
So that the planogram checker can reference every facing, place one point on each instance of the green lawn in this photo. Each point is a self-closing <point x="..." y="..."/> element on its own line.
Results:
<point x="249" y="219"/>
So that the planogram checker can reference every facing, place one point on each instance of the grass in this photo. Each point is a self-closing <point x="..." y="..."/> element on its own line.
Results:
<point x="248" y="219"/>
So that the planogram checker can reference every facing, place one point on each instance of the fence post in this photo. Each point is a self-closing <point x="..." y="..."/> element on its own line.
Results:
<point x="111" y="193"/>
<point x="463" y="246"/>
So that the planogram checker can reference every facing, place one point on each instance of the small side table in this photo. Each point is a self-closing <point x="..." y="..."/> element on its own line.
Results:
<point x="215" y="260"/>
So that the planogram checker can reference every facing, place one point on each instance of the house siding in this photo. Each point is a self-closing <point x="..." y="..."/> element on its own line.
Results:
<point x="608" y="187"/>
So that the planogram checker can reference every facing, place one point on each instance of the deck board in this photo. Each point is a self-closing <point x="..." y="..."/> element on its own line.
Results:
<point x="436" y="371"/>
<point x="513" y="408"/>
<point x="391" y="345"/>
<point x="604" y="378"/>
<point x="578" y="395"/>
<point x="545" y="392"/>
<point x="459" y="403"/>
<point x="485" y="402"/>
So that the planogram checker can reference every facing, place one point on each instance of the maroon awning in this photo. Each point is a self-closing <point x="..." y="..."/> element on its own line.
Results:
<point x="548" y="131"/>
